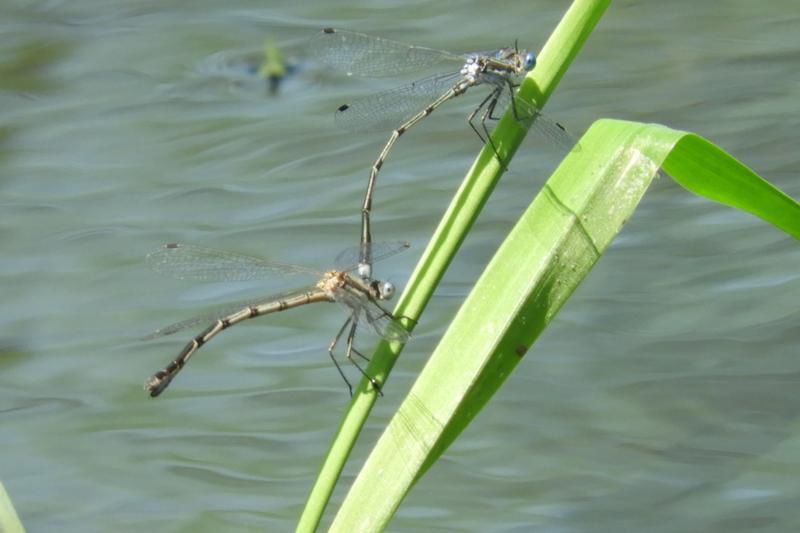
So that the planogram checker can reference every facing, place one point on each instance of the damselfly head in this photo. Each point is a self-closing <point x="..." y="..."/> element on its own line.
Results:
<point x="384" y="290"/>
<point x="519" y="60"/>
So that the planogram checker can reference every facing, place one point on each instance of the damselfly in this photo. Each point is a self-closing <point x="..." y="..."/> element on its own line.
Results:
<point x="360" y="297"/>
<point x="401" y="108"/>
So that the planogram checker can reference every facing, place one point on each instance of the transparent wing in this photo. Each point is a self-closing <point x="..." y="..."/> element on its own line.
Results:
<point x="387" y="110"/>
<point x="379" y="320"/>
<point x="364" y="55"/>
<point x="349" y="258"/>
<point x="542" y="124"/>
<point x="385" y="324"/>
<point x="186" y="261"/>
<point x="223" y="311"/>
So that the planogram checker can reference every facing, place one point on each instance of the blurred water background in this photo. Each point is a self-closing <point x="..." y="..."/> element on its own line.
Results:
<point x="662" y="398"/>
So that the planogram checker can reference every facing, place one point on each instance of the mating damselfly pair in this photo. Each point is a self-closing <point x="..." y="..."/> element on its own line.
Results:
<point x="396" y="109"/>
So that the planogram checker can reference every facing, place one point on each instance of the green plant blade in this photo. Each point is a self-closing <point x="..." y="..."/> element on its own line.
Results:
<point x="706" y="170"/>
<point x="548" y="253"/>
<point x="554" y="59"/>
<point x="9" y="521"/>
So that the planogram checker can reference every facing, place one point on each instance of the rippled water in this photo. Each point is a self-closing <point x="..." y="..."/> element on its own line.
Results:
<point x="662" y="398"/>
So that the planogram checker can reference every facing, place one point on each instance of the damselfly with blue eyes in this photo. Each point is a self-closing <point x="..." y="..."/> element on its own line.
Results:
<point x="401" y="108"/>
<point x="359" y="296"/>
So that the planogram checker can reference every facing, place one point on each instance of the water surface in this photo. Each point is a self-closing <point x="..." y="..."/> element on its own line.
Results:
<point x="662" y="398"/>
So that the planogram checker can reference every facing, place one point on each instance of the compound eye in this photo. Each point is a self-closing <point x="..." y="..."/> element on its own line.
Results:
<point x="386" y="290"/>
<point x="530" y="61"/>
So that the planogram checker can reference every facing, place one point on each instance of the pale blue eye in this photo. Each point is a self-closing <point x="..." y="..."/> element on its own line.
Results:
<point x="530" y="61"/>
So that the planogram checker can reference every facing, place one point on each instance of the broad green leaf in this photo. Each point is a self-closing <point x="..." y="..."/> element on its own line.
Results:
<point x="706" y="170"/>
<point x="551" y="249"/>
<point x="558" y="53"/>
<point x="9" y="521"/>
